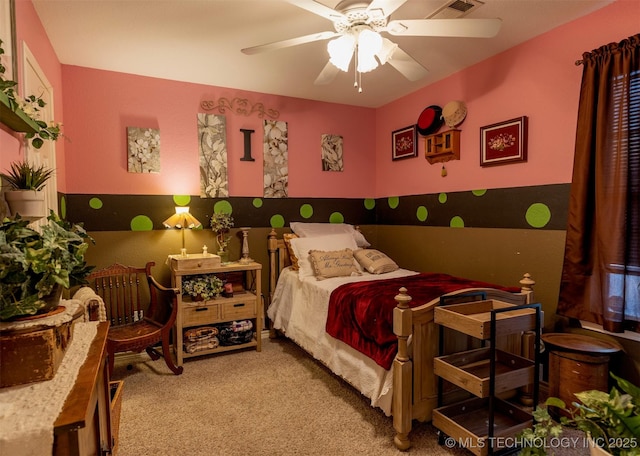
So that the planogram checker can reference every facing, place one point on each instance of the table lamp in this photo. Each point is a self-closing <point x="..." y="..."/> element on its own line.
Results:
<point x="182" y="219"/>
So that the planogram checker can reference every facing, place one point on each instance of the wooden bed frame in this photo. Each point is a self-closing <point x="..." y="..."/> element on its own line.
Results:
<point x="414" y="383"/>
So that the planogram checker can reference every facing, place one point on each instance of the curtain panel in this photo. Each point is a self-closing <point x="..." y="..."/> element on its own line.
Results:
<point x="601" y="273"/>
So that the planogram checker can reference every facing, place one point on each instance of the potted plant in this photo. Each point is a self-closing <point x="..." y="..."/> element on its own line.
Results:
<point x="35" y="267"/>
<point x="611" y="421"/>
<point x="221" y="223"/>
<point x="202" y="287"/>
<point x="23" y="115"/>
<point x="25" y="182"/>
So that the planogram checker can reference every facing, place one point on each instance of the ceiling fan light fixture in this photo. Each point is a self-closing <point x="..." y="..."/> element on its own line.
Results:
<point x="366" y="61"/>
<point x="369" y="41"/>
<point x="387" y="50"/>
<point x="341" y="50"/>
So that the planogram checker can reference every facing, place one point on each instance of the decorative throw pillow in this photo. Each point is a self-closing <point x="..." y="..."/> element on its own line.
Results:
<point x="306" y="229"/>
<point x="301" y="247"/>
<point x="375" y="261"/>
<point x="336" y="263"/>
<point x="292" y="256"/>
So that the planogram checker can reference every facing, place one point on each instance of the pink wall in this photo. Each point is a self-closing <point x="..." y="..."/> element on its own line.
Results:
<point x="537" y="79"/>
<point x="100" y="105"/>
<point x="30" y="31"/>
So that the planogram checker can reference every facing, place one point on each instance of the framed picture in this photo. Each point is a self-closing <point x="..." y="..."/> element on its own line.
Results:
<point x="8" y="37"/>
<point x="404" y="143"/>
<point x="504" y="142"/>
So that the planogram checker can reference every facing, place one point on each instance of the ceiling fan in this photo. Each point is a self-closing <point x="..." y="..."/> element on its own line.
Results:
<point x="358" y="24"/>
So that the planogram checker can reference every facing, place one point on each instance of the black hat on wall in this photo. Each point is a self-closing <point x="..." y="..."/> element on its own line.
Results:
<point x="430" y="120"/>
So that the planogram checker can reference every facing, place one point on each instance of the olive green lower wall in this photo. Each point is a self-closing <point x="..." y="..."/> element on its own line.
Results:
<point x="490" y="254"/>
<point x="494" y="255"/>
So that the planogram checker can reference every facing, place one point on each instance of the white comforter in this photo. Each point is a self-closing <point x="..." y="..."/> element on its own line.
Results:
<point x="299" y="310"/>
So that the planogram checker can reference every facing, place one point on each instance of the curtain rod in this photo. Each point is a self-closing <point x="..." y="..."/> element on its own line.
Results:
<point x="579" y="62"/>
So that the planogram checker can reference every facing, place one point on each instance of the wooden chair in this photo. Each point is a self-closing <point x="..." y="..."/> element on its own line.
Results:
<point x="139" y="317"/>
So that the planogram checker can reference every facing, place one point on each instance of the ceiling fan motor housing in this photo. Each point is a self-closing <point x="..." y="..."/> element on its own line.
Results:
<point x="356" y="14"/>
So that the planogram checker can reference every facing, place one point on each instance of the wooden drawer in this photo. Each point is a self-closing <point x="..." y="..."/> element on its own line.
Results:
<point x="235" y="310"/>
<point x="194" y="262"/>
<point x="201" y="315"/>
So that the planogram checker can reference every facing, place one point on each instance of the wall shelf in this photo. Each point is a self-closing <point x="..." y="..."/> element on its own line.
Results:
<point x="16" y="120"/>
<point x="442" y="147"/>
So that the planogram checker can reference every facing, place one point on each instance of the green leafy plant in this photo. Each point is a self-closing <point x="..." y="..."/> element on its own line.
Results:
<point x="205" y="286"/>
<point x="32" y="264"/>
<point x="611" y="420"/>
<point x="25" y="176"/>
<point x="32" y="107"/>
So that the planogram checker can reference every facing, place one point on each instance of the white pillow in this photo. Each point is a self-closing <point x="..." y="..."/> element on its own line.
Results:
<point x="302" y="245"/>
<point x="304" y="229"/>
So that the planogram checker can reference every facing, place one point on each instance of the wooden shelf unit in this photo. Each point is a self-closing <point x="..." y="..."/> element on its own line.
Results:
<point x="16" y="120"/>
<point x="485" y="421"/>
<point x="243" y="305"/>
<point x="442" y="147"/>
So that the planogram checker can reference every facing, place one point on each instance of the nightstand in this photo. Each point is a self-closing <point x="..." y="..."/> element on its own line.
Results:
<point x="210" y="315"/>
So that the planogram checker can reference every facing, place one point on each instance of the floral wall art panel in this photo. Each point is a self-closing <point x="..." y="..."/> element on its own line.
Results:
<point x="143" y="150"/>
<point x="276" y="159"/>
<point x="331" y="146"/>
<point x="212" y="143"/>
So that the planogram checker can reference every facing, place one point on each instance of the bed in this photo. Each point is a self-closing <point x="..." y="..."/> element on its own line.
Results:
<point x="400" y="380"/>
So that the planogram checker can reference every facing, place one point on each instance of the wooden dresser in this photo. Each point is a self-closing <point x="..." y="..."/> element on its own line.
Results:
<point x="88" y="422"/>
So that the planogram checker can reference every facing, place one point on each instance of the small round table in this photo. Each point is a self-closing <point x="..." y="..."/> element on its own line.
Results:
<point x="577" y="363"/>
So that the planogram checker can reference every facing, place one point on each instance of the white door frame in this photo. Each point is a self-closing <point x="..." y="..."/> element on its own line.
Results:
<point x="34" y="82"/>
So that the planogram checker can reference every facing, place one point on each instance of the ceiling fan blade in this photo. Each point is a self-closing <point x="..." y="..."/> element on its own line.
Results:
<point x="407" y="65"/>
<point x="288" y="43"/>
<point x="470" y="28"/>
<point x="318" y="8"/>
<point x="387" y="7"/>
<point x="327" y="75"/>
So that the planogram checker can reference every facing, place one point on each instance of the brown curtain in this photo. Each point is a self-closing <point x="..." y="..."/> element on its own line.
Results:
<point x="601" y="272"/>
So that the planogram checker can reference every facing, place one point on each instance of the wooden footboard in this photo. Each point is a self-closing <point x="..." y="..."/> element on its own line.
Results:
<point x="414" y="382"/>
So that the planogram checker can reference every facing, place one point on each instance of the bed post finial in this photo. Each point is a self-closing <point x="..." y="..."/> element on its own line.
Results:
<point x="527" y="283"/>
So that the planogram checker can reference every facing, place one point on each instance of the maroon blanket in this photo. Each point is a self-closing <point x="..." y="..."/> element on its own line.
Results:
<point x="361" y="313"/>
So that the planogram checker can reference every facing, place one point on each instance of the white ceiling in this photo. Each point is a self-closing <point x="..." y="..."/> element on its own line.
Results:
<point x="200" y="40"/>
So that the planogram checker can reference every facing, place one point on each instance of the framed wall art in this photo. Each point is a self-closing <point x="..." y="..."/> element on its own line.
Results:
<point x="404" y="143"/>
<point x="8" y="37"/>
<point x="504" y="142"/>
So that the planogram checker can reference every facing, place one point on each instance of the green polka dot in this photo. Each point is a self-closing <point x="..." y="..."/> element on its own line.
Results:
<point x="141" y="223"/>
<point x="63" y="207"/>
<point x="223" y="207"/>
<point x="369" y="203"/>
<point x="95" y="203"/>
<point x="336" y="217"/>
<point x="442" y="198"/>
<point x="306" y="211"/>
<point x="277" y="221"/>
<point x="456" y="222"/>
<point x="538" y="215"/>
<point x="479" y="192"/>
<point x="181" y="200"/>
<point x="393" y="202"/>
<point x="257" y="202"/>
<point x="422" y="213"/>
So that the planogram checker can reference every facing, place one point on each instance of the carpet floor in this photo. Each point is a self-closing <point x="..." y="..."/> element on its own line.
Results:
<point x="278" y="402"/>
